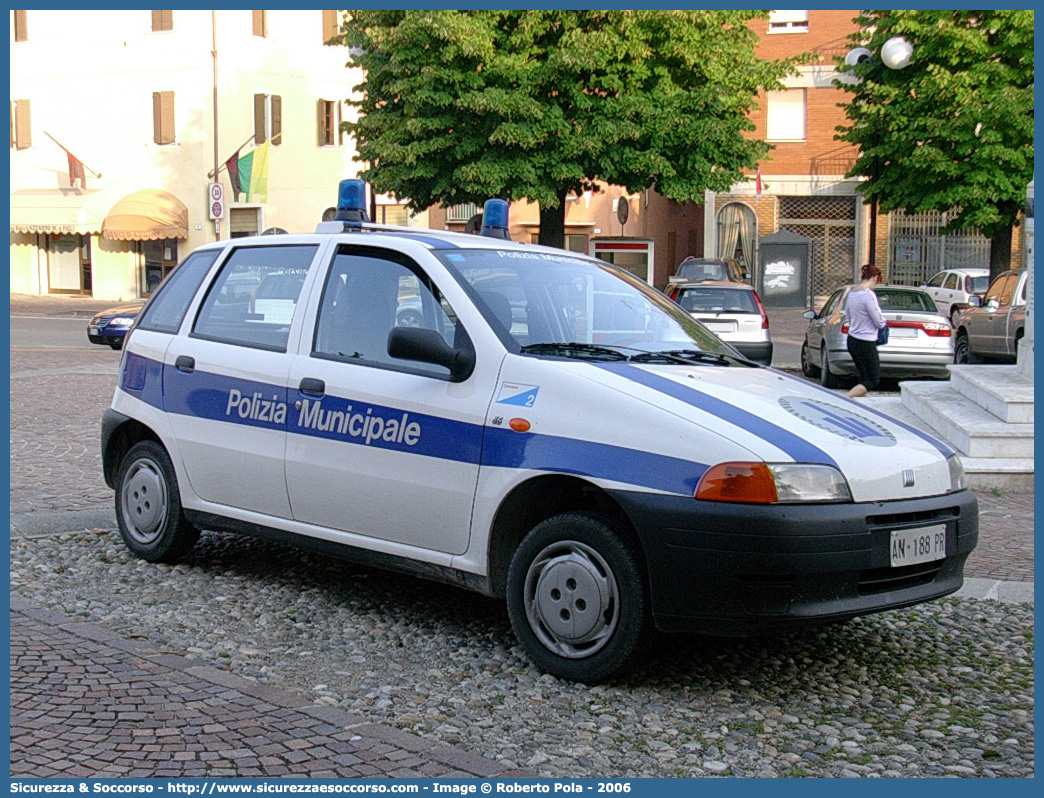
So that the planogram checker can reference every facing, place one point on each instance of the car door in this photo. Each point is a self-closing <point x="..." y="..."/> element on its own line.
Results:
<point x="947" y="294"/>
<point x="384" y="448"/>
<point x="934" y="288"/>
<point x="817" y="327"/>
<point x="225" y="384"/>
<point x="1016" y="316"/>
<point x="995" y="315"/>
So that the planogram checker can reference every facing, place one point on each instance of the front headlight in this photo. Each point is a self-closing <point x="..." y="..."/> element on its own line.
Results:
<point x="958" y="481"/>
<point x="773" y="483"/>
<point x="121" y="321"/>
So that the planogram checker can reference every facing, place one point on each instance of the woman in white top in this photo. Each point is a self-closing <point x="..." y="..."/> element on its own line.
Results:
<point x="864" y="320"/>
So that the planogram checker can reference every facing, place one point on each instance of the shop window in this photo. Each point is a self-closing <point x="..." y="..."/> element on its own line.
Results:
<point x="158" y="258"/>
<point x="69" y="264"/>
<point x="163" y="117"/>
<point x="786" y="115"/>
<point x="162" y="21"/>
<point x="260" y="23"/>
<point x="21" y="129"/>
<point x="576" y="243"/>
<point x="268" y="119"/>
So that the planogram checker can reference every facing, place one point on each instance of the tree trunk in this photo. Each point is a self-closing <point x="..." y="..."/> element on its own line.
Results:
<point x="1000" y="252"/>
<point x="552" y="223"/>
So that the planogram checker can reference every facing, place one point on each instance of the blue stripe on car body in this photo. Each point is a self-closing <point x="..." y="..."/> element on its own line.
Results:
<point x="800" y="450"/>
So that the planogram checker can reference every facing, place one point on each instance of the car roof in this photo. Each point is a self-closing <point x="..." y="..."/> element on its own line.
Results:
<point x="729" y="284"/>
<point x="963" y="270"/>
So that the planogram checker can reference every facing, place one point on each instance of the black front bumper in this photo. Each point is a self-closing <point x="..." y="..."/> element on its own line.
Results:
<point x="760" y="352"/>
<point x="746" y="569"/>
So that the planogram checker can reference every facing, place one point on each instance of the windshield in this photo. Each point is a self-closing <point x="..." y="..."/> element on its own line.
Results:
<point x="542" y="301"/>
<point x="896" y="299"/>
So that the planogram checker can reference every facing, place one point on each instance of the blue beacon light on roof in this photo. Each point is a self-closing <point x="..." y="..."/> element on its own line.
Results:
<point x="495" y="219"/>
<point x="351" y="201"/>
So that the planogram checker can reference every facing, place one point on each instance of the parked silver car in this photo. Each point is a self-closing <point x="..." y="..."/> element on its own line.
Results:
<point x="732" y="311"/>
<point x="993" y="325"/>
<point x="951" y="289"/>
<point x="920" y="338"/>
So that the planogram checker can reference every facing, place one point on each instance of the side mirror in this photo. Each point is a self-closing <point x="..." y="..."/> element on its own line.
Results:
<point x="427" y="346"/>
<point x="975" y="301"/>
<point x="809" y="314"/>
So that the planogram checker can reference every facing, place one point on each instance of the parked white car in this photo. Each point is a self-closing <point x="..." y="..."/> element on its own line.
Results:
<point x="951" y="288"/>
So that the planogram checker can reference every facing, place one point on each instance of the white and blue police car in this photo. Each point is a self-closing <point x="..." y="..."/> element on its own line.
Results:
<point x="546" y="428"/>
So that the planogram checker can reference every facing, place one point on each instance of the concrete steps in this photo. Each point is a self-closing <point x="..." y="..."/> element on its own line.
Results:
<point x="985" y="412"/>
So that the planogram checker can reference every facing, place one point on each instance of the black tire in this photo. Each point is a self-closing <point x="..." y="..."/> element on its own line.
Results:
<point x="578" y="599"/>
<point x="807" y="368"/>
<point x="962" y="350"/>
<point x="954" y="311"/>
<point x="827" y="378"/>
<point x="148" y="506"/>
<point x="117" y="347"/>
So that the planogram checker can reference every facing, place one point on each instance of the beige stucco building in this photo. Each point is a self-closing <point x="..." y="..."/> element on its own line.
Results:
<point x="149" y="102"/>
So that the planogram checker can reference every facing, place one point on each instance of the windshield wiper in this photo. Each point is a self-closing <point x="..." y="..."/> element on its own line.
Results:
<point x="573" y="349"/>
<point x="686" y="356"/>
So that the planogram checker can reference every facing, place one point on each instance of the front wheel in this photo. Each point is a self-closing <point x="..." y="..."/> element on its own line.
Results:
<point x="807" y="368"/>
<point x="827" y="378"/>
<point x="148" y="506"/>
<point x="577" y="598"/>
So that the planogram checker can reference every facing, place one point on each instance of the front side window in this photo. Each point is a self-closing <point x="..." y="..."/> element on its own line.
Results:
<point x="937" y="281"/>
<point x="165" y="311"/>
<point x="1002" y="289"/>
<point x="253" y="299"/>
<point x="367" y="294"/>
<point x="557" y="305"/>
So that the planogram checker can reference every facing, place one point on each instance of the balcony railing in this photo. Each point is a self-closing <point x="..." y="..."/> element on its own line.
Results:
<point x="462" y="212"/>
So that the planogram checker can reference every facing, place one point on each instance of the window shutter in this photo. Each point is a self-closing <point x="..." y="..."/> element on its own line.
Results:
<point x="260" y="23"/>
<point x="162" y="20"/>
<point x="277" y="120"/>
<point x="340" y="121"/>
<point x="331" y="26"/>
<point x="260" y="135"/>
<point x="23" y="138"/>
<point x="321" y="122"/>
<point x="21" y="30"/>
<point x="163" y="117"/>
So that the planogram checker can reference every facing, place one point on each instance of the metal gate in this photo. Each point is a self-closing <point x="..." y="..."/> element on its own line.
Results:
<point x="830" y="223"/>
<point x="917" y="249"/>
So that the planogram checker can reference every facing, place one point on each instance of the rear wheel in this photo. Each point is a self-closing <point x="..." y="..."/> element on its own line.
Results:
<point x="827" y="378"/>
<point x="962" y="350"/>
<point x="577" y="598"/>
<point x="807" y="368"/>
<point x="148" y="506"/>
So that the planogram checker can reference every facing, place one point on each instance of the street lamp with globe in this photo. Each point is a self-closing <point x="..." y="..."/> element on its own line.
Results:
<point x="895" y="54"/>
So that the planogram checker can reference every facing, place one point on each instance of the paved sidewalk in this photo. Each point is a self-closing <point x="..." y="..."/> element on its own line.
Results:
<point x="86" y="703"/>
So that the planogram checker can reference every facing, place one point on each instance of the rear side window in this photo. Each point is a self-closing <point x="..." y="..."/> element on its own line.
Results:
<point x="252" y="301"/>
<point x="717" y="300"/>
<point x="167" y="308"/>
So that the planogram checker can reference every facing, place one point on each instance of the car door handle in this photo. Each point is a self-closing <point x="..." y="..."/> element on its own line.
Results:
<point x="185" y="363"/>
<point x="312" y="386"/>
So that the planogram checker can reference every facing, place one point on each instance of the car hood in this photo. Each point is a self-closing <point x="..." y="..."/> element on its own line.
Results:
<point x="121" y="309"/>
<point x="774" y="417"/>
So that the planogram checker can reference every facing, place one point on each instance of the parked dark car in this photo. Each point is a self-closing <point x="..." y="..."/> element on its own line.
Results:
<point x="698" y="270"/>
<point x="109" y="327"/>
<point x="992" y="326"/>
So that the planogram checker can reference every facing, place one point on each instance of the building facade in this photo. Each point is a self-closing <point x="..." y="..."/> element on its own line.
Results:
<point x="120" y="118"/>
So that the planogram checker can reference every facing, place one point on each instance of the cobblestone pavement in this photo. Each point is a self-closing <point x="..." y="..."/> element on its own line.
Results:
<point x="87" y="701"/>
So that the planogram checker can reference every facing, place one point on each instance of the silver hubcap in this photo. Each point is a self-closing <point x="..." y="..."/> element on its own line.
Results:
<point x="572" y="600"/>
<point x="144" y="501"/>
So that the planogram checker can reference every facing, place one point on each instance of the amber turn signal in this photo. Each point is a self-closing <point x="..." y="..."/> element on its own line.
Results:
<point x="738" y="482"/>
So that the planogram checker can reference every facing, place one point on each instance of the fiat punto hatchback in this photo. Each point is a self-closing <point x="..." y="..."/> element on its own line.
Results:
<point x="547" y="429"/>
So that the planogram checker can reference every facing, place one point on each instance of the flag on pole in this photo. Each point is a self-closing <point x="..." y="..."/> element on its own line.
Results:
<point x="232" y="165"/>
<point x="252" y="170"/>
<point x="757" y="186"/>
<point x="76" y="170"/>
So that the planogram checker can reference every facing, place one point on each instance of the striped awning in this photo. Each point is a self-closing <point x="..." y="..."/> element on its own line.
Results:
<point x="57" y="211"/>
<point x="147" y="215"/>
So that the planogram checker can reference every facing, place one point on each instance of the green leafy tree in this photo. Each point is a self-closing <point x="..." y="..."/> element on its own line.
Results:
<point x="953" y="129"/>
<point x="459" y="106"/>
